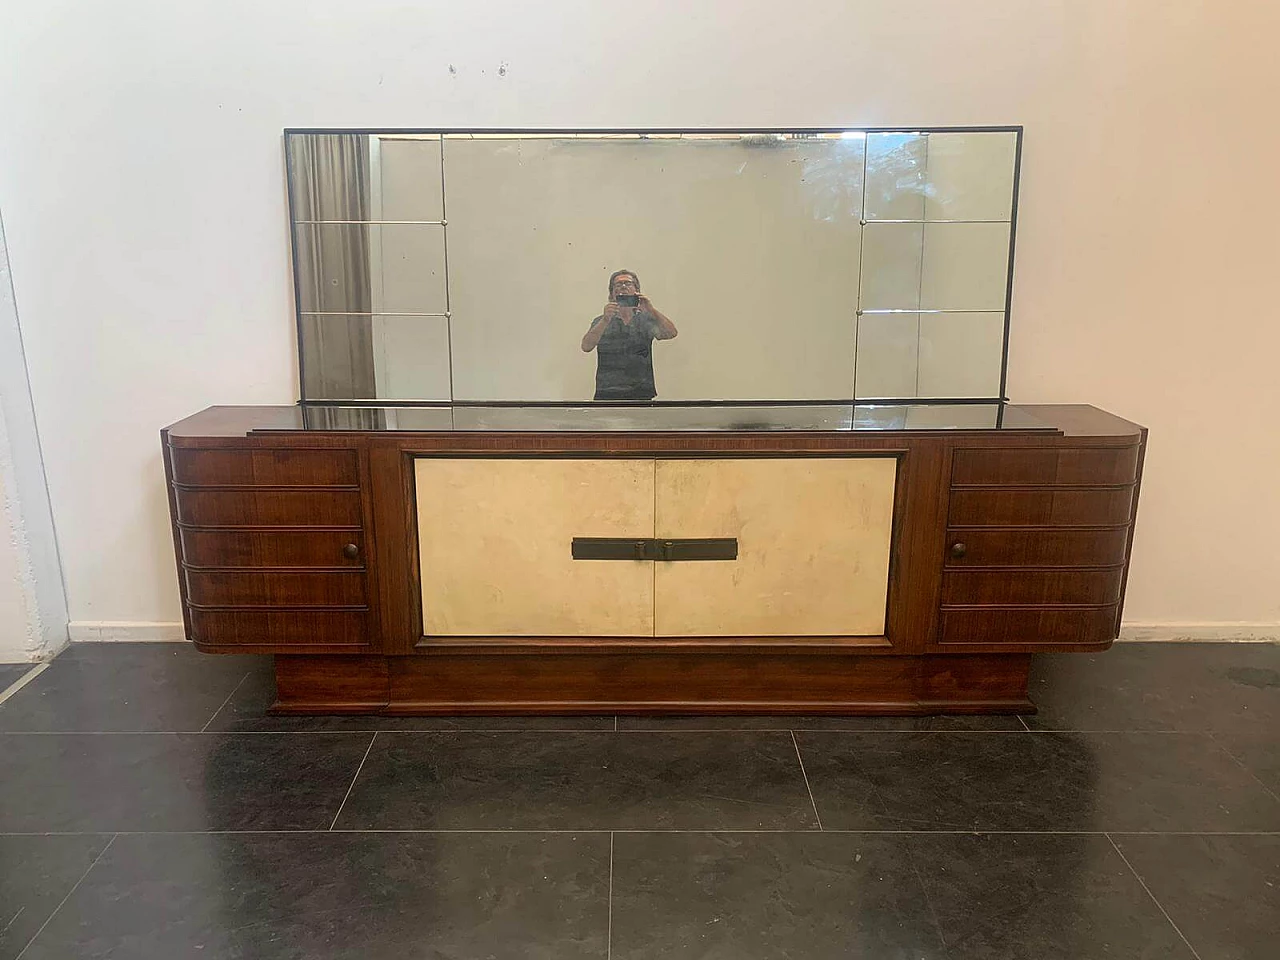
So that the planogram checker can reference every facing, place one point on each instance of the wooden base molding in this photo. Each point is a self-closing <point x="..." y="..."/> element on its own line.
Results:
<point x="665" y="682"/>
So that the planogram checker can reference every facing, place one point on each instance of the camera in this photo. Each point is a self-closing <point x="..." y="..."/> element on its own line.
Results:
<point x="628" y="299"/>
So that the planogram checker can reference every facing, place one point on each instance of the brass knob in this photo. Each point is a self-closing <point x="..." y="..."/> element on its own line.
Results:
<point x="351" y="551"/>
<point x="958" y="550"/>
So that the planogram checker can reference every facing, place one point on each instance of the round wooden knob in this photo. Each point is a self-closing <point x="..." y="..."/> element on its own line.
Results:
<point x="351" y="551"/>
<point x="958" y="550"/>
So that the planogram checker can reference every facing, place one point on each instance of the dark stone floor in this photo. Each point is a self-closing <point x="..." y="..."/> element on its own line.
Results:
<point x="12" y="672"/>
<point x="149" y="809"/>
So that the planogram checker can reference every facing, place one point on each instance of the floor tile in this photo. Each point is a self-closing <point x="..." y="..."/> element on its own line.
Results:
<point x="110" y="782"/>
<point x="768" y="895"/>
<point x="854" y="724"/>
<point x="1010" y="897"/>
<point x="11" y="673"/>
<point x="247" y="711"/>
<point x="1258" y="751"/>
<point x="371" y="896"/>
<point x="1042" y="781"/>
<point x="580" y="781"/>
<point x="1219" y="687"/>
<point x="125" y="687"/>
<point x="36" y="874"/>
<point x="1222" y="892"/>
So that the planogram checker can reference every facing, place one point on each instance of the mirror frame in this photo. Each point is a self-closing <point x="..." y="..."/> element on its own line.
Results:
<point x="290" y="132"/>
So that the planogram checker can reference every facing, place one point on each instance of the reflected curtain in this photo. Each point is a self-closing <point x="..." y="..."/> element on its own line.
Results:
<point x="331" y="181"/>
<point x="344" y="418"/>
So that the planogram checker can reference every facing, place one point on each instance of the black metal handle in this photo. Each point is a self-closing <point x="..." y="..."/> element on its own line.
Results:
<point x="679" y="549"/>
<point x="958" y="550"/>
<point x="351" y="551"/>
<point x="611" y="548"/>
<point x="698" y="548"/>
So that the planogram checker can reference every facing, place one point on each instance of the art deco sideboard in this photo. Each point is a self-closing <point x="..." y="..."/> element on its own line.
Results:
<point x="526" y="560"/>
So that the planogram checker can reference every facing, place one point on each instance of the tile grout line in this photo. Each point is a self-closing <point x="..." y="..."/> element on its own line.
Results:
<point x="1241" y="764"/>
<point x="1159" y="905"/>
<point x="74" y="888"/>
<point x="347" y="795"/>
<point x="795" y="743"/>
<point x="1025" y="726"/>
<point x="23" y="680"/>
<point x="224" y="703"/>
<point x="608" y="949"/>
<point x="833" y="831"/>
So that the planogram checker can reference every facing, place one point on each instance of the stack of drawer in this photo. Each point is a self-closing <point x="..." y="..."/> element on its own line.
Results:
<point x="271" y="546"/>
<point x="1036" y="544"/>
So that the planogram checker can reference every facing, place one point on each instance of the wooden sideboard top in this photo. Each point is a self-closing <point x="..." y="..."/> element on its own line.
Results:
<point x="1069" y="420"/>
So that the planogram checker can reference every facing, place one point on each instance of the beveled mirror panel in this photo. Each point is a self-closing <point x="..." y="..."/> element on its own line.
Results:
<point x="776" y="266"/>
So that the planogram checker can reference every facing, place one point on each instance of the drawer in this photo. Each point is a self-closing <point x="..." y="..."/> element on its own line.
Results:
<point x="1023" y="627"/>
<point x="1031" y="586"/>
<point x="1078" y="465"/>
<point x="262" y="628"/>
<point x="250" y="508"/>
<point x="1068" y="507"/>
<point x="234" y="588"/>
<point x="271" y="548"/>
<point x="318" y="468"/>
<point x="1037" y="548"/>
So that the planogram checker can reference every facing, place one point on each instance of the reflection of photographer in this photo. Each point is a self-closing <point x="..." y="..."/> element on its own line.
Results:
<point x="622" y="338"/>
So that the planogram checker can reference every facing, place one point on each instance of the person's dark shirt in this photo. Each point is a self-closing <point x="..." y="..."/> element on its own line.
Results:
<point x="624" y="359"/>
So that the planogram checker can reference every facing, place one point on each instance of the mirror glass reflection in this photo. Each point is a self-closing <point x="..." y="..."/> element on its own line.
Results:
<point x="539" y="267"/>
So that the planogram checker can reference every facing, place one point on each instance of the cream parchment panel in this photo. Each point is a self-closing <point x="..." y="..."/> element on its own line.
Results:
<point x="494" y="542"/>
<point x="813" y="546"/>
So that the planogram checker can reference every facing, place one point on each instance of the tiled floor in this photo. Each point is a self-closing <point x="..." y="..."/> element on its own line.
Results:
<point x="11" y="673"/>
<point x="149" y="809"/>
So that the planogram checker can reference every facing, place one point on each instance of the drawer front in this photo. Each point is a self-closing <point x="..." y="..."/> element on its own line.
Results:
<point x="1036" y="548"/>
<point x="318" y="468"/>
<point x="301" y="508"/>
<point x="1013" y="507"/>
<point x="1080" y="465"/>
<point x="1031" y="586"/>
<point x="279" y="628"/>
<point x="1022" y="627"/>
<point x="272" y="548"/>
<point x="235" y="588"/>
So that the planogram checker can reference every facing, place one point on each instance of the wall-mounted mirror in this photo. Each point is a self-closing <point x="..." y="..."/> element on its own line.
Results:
<point x="686" y="266"/>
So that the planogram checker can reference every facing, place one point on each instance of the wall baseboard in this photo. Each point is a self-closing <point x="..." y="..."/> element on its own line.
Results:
<point x="121" y="631"/>
<point x="1224" y="630"/>
<point x="160" y="631"/>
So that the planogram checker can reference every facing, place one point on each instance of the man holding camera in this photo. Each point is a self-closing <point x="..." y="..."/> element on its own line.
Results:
<point x="622" y="337"/>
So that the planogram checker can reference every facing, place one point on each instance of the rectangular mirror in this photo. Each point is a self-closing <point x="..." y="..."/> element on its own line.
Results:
<point x="681" y="266"/>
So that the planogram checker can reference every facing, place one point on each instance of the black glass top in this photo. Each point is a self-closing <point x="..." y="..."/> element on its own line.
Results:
<point x="599" y="417"/>
<point x="1072" y="419"/>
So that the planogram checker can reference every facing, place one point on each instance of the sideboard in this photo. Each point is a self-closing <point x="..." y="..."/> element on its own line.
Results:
<point x="648" y="560"/>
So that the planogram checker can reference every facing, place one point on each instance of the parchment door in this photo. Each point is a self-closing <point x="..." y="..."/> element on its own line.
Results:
<point x="813" y="541"/>
<point x="813" y="546"/>
<point x="494" y="545"/>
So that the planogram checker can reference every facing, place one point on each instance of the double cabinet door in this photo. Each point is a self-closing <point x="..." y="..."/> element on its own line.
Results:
<point x="496" y="557"/>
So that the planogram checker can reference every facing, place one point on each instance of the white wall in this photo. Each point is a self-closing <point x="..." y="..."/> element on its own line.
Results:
<point x="33" y="607"/>
<point x="141" y="176"/>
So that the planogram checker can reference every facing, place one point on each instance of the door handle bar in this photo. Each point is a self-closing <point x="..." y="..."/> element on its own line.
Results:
<point x="667" y="550"/>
